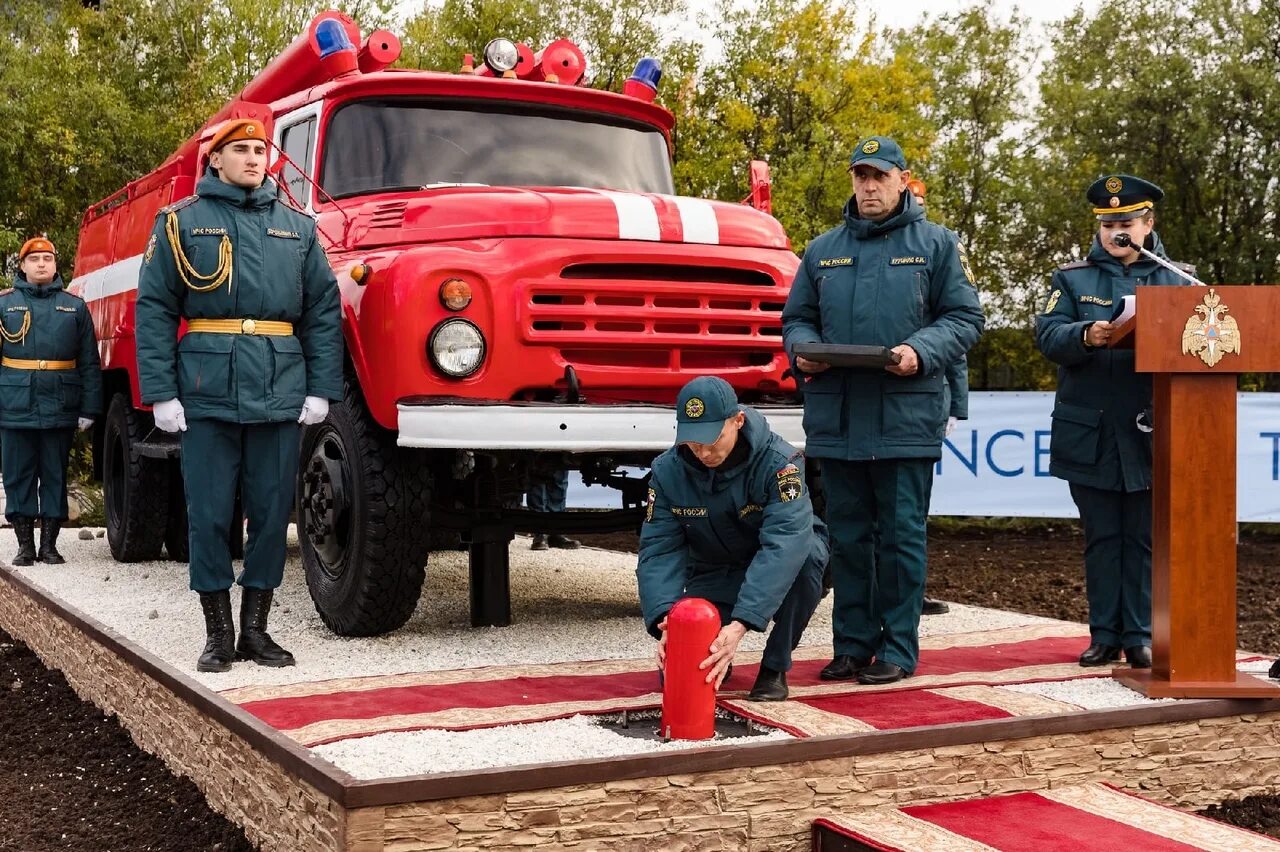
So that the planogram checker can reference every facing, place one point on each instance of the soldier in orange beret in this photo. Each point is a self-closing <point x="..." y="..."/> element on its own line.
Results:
<point x="49" y="384"/>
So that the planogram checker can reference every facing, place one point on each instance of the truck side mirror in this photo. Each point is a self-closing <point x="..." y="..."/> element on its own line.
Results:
<point x="761" y="197"/>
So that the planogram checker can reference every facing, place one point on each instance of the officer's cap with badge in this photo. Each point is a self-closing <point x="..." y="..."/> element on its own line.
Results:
<point x="1117" y="198"/>
<point x="701" y="409"/>
<point x="879" y="152"/>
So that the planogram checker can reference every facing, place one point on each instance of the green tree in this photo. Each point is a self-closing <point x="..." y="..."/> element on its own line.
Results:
<point x="799" y="83"/>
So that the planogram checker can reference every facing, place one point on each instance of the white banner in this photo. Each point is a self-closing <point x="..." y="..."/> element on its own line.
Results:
<point x="997" y="462"/>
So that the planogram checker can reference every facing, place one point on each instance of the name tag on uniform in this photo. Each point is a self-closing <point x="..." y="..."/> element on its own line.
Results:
<point x="828" y="262"/>
<point x="1095" y="300"/>
<point x="65" y="310"/>
<point x="914" y="260"/>
<point x="749" y="509"/>
<point x="284" y="235"/>
<point x="22" y="309"/>
<point x="208" y="232"/>
<point x="689" y="511"/>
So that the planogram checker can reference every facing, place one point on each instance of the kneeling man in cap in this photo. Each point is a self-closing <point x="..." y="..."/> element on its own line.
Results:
<point x="729" y="519"/>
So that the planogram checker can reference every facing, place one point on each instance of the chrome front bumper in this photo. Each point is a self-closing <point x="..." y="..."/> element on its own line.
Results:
<point x="558" y="428"/>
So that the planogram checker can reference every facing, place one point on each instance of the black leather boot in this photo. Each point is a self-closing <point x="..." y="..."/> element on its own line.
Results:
<point x="49" y="554"/>
<point x="220" y="633"/>
<point x="25" y="530"/>
<point x="255" y="644"/>
<point x="770" y="685"/>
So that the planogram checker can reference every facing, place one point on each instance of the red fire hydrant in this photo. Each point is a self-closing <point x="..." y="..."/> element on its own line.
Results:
<point x="688" y="701"/>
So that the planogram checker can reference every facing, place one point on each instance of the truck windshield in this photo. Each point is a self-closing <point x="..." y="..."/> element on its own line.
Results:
<point x="375" y="145"/>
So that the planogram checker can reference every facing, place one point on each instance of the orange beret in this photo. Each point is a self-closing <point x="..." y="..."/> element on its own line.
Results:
<point x="916" y="187"/>
<point x="35" y="244"/>
<point x="235" y="130"/>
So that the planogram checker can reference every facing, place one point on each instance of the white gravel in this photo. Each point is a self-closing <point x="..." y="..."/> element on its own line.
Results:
<point x="391" y="755"/>
<point x="1099" y="693"/>
<point x="567" y="605"/>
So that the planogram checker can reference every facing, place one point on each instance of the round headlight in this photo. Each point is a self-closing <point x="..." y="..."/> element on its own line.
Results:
<point x="501" y="55"/>
<point x="455" y="294"/>
<point x="456" y="348"/>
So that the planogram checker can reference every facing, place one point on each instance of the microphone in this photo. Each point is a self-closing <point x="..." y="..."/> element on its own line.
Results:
<point x="1122" y="239"/>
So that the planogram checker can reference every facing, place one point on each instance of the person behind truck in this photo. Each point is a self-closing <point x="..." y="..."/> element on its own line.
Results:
<point x="729" y="519"/>
<point x="262" y="354"/>
<point x="50" y="384"/>
<point x="886" y="276"/>
<point x="548" y="492"/>
<point x="1101" y="434"/>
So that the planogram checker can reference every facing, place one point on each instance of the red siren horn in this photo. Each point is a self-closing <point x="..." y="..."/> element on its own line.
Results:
<point x="379" y="50"/>
<point x="562" y="62"/>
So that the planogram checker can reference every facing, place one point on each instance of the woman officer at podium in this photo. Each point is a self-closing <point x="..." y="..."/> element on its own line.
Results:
<point x="1101" y="439"/>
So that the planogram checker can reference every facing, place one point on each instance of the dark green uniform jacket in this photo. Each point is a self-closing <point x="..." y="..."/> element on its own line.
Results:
<point x="753" y="525"/>
<point x="60" y="330"/>
<point x="280" y="273"/>
<point x="958" y="389"/>
<point x="1095" y="440"/>
<point x="903" y="280"/>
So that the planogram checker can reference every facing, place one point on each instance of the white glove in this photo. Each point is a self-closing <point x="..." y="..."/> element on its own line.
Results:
<point x="85" y="423"/>
<point x="951" y="426"/>
<point x="170" y="416"/>
<point x="314" y="410"/>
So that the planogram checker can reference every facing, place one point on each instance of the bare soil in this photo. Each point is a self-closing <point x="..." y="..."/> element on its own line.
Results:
<point x="73" y="780"/>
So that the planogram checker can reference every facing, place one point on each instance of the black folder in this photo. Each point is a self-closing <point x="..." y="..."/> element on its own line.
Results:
<point x="851" y="355"/>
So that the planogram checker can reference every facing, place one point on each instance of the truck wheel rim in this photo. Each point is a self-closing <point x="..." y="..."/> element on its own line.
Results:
<point x="326" y="505"/>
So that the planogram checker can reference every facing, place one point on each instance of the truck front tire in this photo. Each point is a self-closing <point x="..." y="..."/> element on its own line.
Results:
<point x="362" y="508"/>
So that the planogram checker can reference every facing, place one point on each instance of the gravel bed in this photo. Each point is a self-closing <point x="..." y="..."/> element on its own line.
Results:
<point x="1101" y="693"/>
<point x="416" y="752"/>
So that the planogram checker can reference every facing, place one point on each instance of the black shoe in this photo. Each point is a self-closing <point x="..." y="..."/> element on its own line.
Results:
<point x="563" y="542"/>
<point x="769" y="686"/>
<point x="220" y="633"/>
<point x="933" y="607"/>
<point x="843" y="667"/>
<point x="1275" y="670"/>
<point x="881" y="672"/>
<point x="1098" y="654"/>
<point x="539" y="542"/>
<point x="49" y="554"/>
<point x="25" y="530"/>
<point x="255" y="643"/>
<point x="1138" y="657"/>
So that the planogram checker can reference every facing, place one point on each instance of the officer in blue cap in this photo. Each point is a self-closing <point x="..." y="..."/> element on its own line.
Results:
<point x="887" y="277"/>
<point x="729" y="519"/>
<point x="1101" y="440"/>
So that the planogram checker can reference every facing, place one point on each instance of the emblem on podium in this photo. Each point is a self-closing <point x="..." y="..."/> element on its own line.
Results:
<point x="1210" y="334"/>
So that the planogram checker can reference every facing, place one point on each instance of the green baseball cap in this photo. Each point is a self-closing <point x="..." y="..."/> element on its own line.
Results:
<point x="701" y="409"/>
<point x="879" y="152"/>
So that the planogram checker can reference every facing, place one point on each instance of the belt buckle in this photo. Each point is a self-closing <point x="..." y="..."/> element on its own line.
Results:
<point x="44" y="365"/>
<point x="248" y="326"/>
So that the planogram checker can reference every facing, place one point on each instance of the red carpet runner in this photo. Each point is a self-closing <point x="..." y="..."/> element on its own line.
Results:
<point x="1084" y="818"/>
<point x="958" y="680"/>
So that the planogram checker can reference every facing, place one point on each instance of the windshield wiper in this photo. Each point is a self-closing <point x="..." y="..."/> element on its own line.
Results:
<point x="414" y="187"/>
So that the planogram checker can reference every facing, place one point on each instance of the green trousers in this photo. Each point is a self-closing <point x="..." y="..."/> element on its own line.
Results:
<point x="34" y="465"/>
<point x="259" y="459"/>
<point x="876" y="513"/>
<point x="1117" y="564"/>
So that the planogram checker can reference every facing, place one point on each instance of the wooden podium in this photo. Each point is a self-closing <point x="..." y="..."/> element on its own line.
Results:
<point x="1194" y="341"/>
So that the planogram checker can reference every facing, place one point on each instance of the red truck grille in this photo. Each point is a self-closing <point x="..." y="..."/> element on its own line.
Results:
<point x="657" y="317"/>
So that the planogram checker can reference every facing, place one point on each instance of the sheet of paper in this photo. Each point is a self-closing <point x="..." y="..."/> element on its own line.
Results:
<point x="1125" y="311"/>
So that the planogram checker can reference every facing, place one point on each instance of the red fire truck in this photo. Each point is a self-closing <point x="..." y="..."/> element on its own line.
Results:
<point x="522" y="292"/>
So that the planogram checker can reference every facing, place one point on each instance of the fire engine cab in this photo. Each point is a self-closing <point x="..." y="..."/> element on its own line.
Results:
<point x="522" y="292"/>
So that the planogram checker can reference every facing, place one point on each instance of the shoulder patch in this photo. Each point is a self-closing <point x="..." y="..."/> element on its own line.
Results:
<point x="788" y="469"/>
<point x="1052" y="301"/>
<point x="1076" y="264"/>
<point x="790" y="487"/>
<point x="178" y="205"/>
<point x="965" y="264"/>
<point x="648" y="505"/>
